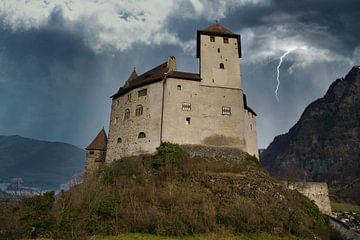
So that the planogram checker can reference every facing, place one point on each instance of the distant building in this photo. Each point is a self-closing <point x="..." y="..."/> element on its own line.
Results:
<point x="166" y="105"/>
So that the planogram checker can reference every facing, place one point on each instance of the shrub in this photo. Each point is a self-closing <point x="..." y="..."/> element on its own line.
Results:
<point x="168" y="153"/>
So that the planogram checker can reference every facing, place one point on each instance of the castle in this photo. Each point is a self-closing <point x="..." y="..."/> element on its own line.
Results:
<point x="166" y="105"/>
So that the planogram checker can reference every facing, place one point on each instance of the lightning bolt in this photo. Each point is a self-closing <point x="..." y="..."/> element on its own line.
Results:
<point x="278" y="72"/>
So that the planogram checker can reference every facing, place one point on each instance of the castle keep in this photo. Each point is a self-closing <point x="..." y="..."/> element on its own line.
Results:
<point x="166" y="105"/>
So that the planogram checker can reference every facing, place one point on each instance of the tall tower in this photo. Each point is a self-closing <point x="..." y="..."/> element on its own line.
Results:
<point x="219" y="51"/>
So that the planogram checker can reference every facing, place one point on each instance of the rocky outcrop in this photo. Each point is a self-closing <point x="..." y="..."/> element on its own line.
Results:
<point x="324" y="145"/>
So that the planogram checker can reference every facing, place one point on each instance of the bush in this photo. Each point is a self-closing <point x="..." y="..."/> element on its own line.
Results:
<point x="168" y="153"/>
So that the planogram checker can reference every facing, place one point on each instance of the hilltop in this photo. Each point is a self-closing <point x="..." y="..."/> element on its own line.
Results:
<point x="324" y="144"/>
<point x="40" y="164"/>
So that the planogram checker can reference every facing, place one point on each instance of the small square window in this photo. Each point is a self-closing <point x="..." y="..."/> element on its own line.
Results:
<point x="212" y="39"/>
<point x="226" y="110"/>
<point x="91" y="152"/>
<point x="179" y="87"/>
<point x="129" y="97"/>
<point x="142" y="92"/>
<point x="186" y="106"/>
<point x="226" y="40"/>
<point x="188" y="121"/>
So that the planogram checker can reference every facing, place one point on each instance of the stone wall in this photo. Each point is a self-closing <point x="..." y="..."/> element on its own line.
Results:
<point x="316" y="191"/>
<point x="213" y="152"/>
<point x="128" y="129"/>
<point x="94" y="159"/>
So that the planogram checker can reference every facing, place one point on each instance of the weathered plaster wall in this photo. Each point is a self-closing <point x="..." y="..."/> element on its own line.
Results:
<point x="210" y="61"/>
<point x="251" y="134"/>
<point x="129" y="129"/>
<point x="208" y="125"/>
<point x="316" y="191"/>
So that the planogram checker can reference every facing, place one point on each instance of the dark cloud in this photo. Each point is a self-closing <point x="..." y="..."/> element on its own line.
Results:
<point x="54" y="86"/>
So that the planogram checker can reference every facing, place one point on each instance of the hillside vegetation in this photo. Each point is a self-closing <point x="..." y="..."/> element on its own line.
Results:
<point x="170" y="194"/>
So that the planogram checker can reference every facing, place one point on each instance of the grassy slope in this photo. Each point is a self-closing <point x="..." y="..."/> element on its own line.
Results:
<point x="344" y="207"/>
<point x="136" y="236"/>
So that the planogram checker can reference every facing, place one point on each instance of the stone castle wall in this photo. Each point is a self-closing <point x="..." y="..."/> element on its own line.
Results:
<point x="316" y="191"/>
<point x="94" y="159"/>
<point x="128" y="129"/>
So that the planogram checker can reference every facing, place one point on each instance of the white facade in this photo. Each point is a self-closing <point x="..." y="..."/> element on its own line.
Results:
<point x="185" y="108"/>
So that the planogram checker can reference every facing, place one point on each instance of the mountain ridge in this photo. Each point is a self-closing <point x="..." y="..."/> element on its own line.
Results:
<point x="324" y="144"/>
<point x="39" y="163"/>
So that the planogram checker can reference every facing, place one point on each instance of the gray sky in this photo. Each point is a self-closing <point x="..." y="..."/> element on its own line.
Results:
<point x="60" y="60"/>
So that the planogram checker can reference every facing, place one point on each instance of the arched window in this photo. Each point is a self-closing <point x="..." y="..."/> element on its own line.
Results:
<point x="119" y="140"/>
<point x="139" y="110"/>
<point x="222" y="66"/>
<point x="142" y="135"/>
<point x="127" y="114"/>
<point x="179" y="87"/>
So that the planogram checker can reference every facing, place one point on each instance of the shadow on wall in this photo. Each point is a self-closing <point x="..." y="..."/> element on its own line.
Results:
<point x="222" y="140"/>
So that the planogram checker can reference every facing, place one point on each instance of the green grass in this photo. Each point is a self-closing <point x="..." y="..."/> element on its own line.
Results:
<point x="137" y="236"/>
<point x="345" y="207"/>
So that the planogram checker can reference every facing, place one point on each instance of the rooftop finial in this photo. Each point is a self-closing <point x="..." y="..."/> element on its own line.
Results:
<point x="216" y="21"/>
<point x="134" y="69"/>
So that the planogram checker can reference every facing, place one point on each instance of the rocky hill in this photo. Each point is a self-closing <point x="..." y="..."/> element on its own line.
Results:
<point x="39" y="163"/>
<point x="324" y="145"/>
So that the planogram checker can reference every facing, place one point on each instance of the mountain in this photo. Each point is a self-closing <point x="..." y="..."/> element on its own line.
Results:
<point x="324" y="145"/>
<point x="39" y="164"/>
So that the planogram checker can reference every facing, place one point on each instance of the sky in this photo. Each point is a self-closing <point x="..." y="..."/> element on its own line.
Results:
<point x="61" y="60"/>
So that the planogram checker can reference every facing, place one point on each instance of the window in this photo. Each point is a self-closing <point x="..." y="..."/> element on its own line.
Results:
<point x="142" y="135"/>
<point x="226" y="40"/>
<point x="116" y="120"/>
<point x="127" y="114"/>
<point x="129" y="97"/>
<point x="186" y="106"/>
<point x="119" y="140"/>
<point x="179" y="87"/>
<point x="139" y="110"/>
<point x="187" y="121"/>
<point x="212" y="39"/>
<point x="91" y="152"/>
<point x="218" y="50"/>
<point x="142" y="92"/>
<point x="222" y="66"/>
<point x="226" y="110"/>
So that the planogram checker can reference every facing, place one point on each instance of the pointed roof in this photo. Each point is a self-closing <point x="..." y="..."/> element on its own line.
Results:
<point x="99" y="142"/>
<point x="217" y="29"/>
<point x="132" y="76"/>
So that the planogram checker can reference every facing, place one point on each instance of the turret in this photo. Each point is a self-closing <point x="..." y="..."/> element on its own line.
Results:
<point x="219" y="51"/>
<point x="96" y="152"/>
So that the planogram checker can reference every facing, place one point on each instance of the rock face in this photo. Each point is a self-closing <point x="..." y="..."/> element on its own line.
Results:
<point x="324" y="145"/>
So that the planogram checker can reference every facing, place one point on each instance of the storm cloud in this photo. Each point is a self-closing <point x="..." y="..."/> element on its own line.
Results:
<point x="60" y="60"/>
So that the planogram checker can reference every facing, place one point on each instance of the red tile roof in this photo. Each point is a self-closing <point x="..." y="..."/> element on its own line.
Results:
<point x="99" y="142"/>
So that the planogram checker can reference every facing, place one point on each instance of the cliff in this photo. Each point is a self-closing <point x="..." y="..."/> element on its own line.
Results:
<point x="324" y="144"/>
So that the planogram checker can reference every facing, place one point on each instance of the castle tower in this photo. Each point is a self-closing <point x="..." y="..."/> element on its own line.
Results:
<point x="96" y="152"/>
<point x="219" y="51"/>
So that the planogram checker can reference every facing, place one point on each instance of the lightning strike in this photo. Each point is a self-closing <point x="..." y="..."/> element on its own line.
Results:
<point x="278" y="72"/>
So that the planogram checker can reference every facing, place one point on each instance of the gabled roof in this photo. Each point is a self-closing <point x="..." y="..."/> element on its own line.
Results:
<point x="154" y="75"/>
<point x="99" y="142"/>
<point x="217" y="29"/>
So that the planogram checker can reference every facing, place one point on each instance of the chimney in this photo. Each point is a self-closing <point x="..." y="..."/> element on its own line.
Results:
<point x="171" y="63"/>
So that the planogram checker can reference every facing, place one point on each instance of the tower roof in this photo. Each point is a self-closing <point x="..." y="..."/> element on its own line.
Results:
<point x="99" y="142"/>
<point x="133" y="75"/>
<point x="217" y="29"/>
